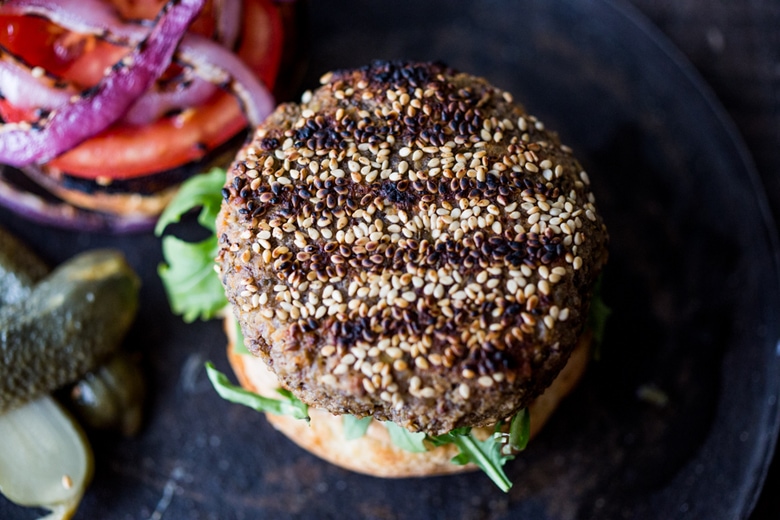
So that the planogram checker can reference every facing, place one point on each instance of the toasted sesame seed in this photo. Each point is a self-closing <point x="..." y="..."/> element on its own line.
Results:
<point x="468" y="374"/>
<point x="427" y="392"/>
<point x="400" y="365"/>
<point x="485" y="381"/>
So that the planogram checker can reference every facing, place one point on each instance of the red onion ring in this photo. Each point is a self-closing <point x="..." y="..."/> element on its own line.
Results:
<point x="159" y="101"/>
<point x="228" y="21"/>
<point x="82" y="16"/>
<point x="96" y="109"/>
<point x="207" y="58"/>
<point x="22" y="89"/>
<point x="100" y="19"/>
<point x="220" y="66"/>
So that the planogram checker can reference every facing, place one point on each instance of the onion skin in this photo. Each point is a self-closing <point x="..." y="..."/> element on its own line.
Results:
<point x="96" y="109"/>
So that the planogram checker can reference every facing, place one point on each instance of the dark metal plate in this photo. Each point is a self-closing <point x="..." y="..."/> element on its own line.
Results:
<point x="693" y="283"/>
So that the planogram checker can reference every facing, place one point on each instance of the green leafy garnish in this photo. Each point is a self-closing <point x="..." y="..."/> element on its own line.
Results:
<point x="193" y="288"/>
<point x="405" y="439"/>
<point x="487" y="455"/>
<point x="288" y="405"/>
<point x="519" y="430"/>
<point x="354" y="428"/>
<point x="205" y="191"/>
<point x="239" y="347"/>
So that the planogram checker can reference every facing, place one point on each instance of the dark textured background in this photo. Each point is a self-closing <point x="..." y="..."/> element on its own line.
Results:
<point x="735" y="45"/>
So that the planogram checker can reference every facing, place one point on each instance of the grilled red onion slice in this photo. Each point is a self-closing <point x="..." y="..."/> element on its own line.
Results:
<point x="208" y="59"/>
<point x="22" y="89"/>
<point x="228" y="21"/>
<point x="100" y="18"/>
<point x="218" y="65"/>
<point x="163" y="99"/>
<point x="97" y="108"/>
<point x="81" y="16"/>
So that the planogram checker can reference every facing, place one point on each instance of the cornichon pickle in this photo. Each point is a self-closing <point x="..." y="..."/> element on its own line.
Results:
<point x="111" y="396"/>
<point x="67" y="325"/>
<point x="20" y="269"/>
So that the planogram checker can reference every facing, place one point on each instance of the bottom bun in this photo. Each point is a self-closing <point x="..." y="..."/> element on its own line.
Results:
<point x="374" y="453"/>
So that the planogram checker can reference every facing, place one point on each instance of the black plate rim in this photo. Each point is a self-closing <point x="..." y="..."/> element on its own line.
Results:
<point x="634" y="16"/>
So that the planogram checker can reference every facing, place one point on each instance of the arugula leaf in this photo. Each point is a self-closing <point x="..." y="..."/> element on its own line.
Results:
<point x="597" y="318"/>
<point x="520" y="430"/>
<point x="193" y="288"/>
<point x="485" y="454"/>
<point x="239" y="347"/>
<point x="204" y="190"/>
<point x="290" y="405"/>
<point x="405" y="439"/>
<point x="355" y="428"/>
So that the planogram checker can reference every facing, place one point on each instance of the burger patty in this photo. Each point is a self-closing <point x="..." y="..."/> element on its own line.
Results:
<point x="409" y="243"/>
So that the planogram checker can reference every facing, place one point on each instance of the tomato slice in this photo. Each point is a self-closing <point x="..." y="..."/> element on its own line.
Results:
<point x="123" y="152"/>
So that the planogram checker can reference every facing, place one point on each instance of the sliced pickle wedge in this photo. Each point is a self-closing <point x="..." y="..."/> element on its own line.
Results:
<point x="45" y="459"/>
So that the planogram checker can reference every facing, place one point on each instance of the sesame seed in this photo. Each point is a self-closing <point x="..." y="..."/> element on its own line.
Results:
<point x="468" y="374"/>
<point x="485" y="381"/>
<point x="427" y="392"/>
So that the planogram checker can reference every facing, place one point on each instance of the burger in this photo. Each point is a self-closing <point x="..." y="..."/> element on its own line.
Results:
<point x="409" y="258"/>
<point x="108" y="105"/>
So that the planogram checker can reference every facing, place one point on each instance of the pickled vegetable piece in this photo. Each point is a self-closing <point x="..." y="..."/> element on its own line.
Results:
<point x="71" y="322"/>
<point x="45" y="460"/>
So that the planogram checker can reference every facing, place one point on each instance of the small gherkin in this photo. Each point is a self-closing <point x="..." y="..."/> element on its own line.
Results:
<point x="67" y="324"/>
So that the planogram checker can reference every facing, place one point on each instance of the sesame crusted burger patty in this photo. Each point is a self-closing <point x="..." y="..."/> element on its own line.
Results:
<point x="409" y="243"/>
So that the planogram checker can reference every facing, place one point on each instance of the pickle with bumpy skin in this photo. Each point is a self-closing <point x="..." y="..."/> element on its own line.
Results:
<point x="20" y="269"/>
<point x="70" y="322"/>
